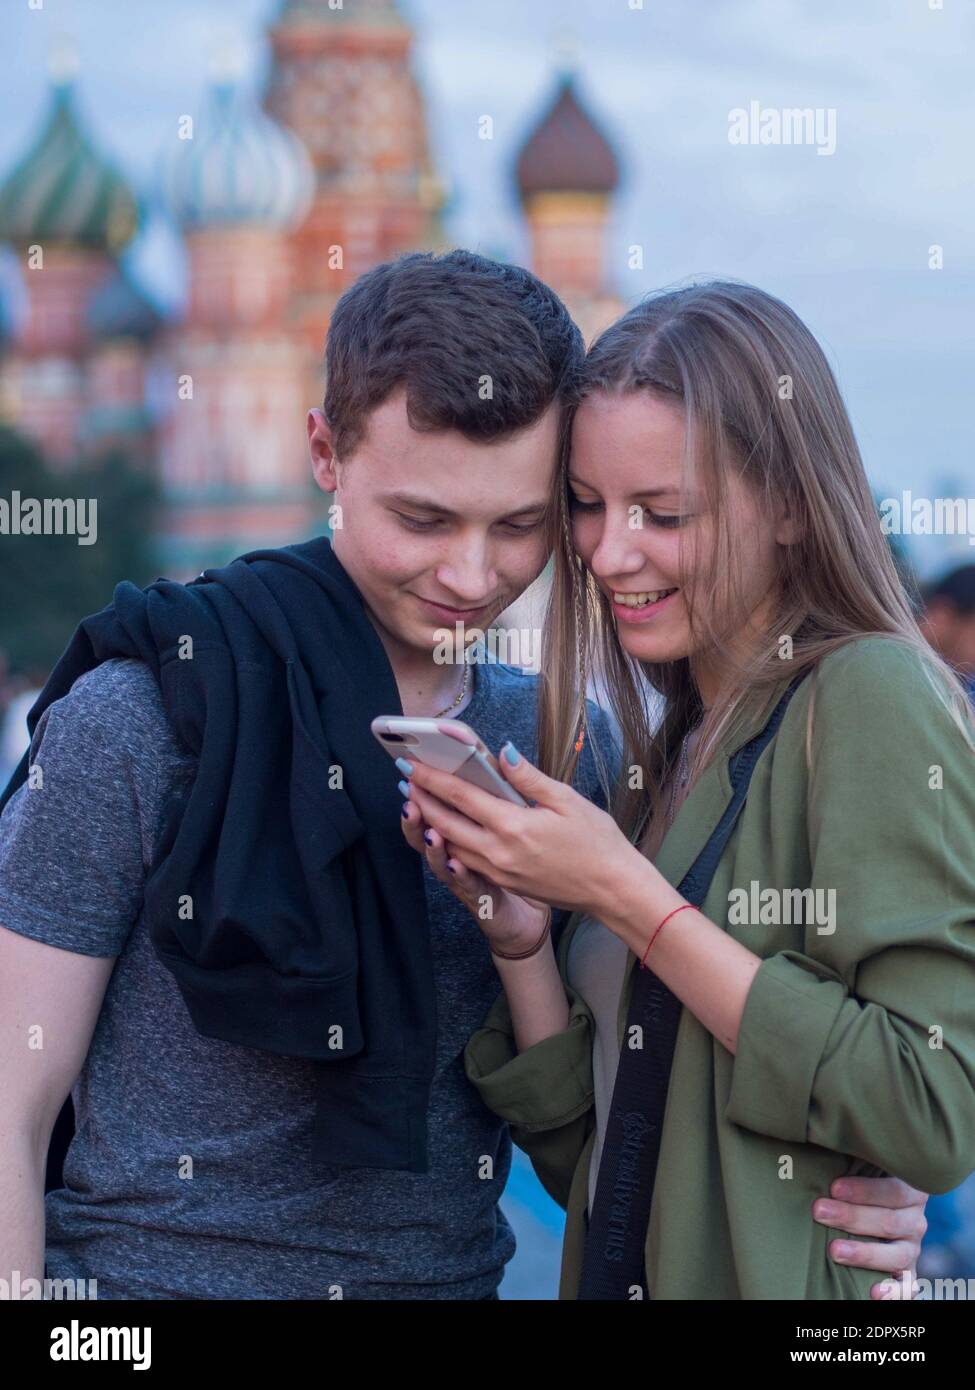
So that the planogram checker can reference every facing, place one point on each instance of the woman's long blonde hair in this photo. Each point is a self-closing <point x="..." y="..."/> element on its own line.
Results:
<point x="759" y="399"/>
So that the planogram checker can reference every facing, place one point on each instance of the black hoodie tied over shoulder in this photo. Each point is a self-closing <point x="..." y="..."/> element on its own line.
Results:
<point x="283" y="897"/>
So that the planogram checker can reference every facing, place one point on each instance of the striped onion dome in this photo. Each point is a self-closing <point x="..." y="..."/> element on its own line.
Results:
<point x="239" y="168"/>
<point x="64" y="191"/>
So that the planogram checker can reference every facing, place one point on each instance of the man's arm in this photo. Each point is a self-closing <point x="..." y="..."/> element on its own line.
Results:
<point x="49" y="1004"/>
<point x="887" y="1209"/>
<point x="72" y="872"/>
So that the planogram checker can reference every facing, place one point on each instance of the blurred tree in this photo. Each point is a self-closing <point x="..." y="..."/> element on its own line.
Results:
<point x="49" y="582"/>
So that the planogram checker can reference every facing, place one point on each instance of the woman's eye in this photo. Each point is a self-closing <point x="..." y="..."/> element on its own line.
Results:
<point x="576" y="504"/>
<point x="665" y="521"/>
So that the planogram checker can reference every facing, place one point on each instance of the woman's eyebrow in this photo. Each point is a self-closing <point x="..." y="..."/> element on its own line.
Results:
<point x="672" y="491"/>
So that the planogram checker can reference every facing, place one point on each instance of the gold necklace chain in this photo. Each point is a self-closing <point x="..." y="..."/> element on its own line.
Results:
<point x="463" y="691"/>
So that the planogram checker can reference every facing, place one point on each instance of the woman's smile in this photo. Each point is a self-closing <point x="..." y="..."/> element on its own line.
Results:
<point x="639" y="607"/>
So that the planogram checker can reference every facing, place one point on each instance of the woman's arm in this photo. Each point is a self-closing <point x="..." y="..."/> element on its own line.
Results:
<point x="864" y="1041"/>
<point x="866" y="1037"/>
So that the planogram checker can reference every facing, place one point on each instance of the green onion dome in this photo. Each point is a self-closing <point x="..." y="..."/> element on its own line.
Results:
<point x="64" y="191"/>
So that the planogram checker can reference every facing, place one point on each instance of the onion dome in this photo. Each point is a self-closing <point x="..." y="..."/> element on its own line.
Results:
<point x="240" y="168"/>
<point x="566" y="152"/>
<point x="118" y="309"/>
<point x="64" y="191"/>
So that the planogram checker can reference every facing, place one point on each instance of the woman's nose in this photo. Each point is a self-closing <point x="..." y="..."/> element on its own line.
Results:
<point x="619" y="549"/>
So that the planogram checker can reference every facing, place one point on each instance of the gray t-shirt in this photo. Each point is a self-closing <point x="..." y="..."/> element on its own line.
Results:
<point x="190" y="1173"/>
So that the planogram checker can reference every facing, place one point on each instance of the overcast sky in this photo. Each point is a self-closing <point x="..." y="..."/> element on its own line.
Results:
<point x="843" y="237"/>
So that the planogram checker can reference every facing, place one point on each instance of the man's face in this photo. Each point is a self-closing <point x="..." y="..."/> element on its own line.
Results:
<point x="952" y="634"/>
<point x="435" y="529"/>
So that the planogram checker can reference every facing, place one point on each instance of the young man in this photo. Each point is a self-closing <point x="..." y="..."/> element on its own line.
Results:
<point x="948" y="620"/>
<point x="219" y="1152"/>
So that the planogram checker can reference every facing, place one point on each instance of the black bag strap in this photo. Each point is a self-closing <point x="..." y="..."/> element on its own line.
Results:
<point x="613" y="1261"/>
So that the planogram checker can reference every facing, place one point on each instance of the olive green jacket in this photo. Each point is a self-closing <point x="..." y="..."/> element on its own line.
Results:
<point x="856" y="1052"/>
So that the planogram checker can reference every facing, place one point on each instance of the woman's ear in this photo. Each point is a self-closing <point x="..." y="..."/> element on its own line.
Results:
<point x="324" y="464"/>
<point x="787" y="528"/>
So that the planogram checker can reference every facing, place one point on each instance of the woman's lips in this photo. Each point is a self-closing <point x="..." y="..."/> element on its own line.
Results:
<point x="624" y="613"/>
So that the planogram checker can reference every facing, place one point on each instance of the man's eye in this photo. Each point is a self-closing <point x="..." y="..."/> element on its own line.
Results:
<point x="523" y="528"/>
<point x="413" y="524"/>
<point x="665" y="521"/>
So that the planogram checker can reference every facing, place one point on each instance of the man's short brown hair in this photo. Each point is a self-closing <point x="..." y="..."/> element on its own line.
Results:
<point x="480" y="347"/>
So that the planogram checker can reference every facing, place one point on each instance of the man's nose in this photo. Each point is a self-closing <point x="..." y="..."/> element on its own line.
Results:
<point x="469" y="573"/>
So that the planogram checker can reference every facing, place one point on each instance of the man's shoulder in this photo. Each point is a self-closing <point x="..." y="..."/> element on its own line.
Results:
<point x="121" y="690"/>
<point x="116" y="705"/>
<point x="601" y="756"/>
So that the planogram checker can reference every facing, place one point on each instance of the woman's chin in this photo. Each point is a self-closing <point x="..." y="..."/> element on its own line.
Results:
<point x="643" y="644"/>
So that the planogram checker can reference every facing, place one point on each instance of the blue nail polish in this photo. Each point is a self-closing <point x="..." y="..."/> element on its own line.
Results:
<point x="426" y="837"/>
<point x="406" y="809"/>
<point x="404" y="767"/>
<point x="405" y="789"/>
<point x="451" y="868"/>
<point x="511" y="754"/>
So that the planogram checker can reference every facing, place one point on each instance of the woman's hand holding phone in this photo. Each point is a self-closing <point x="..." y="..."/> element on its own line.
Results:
<point x="510" y="923"/>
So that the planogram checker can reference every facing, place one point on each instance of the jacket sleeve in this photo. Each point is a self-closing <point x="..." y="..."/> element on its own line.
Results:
<point x="545" y="1092"/>
<point x="863" y="1042"/>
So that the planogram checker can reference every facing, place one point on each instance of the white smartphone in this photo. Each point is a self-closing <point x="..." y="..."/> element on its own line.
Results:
<point x="424" y="741"/>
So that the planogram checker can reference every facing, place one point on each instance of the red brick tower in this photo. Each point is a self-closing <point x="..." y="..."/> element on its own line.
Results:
<point x="341" y="78"/>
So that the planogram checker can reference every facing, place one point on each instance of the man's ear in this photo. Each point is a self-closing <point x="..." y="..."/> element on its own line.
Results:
<point x="324" y="464"/>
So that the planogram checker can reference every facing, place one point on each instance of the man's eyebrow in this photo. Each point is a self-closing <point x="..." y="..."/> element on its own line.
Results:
<point x="426" y="504"/>
<point x="673" y="491"/>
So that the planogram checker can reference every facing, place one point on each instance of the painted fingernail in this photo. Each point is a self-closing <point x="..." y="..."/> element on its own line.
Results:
<point x="404" y="767"/>
<point x="406" y="808"/>
<point x="426" y="837"/>
<point x="511" y="754"/>
<point x="451" y="868"/>
<point x="405" y="788"/>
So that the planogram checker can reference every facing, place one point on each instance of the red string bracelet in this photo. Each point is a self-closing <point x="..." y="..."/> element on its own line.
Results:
<point x="653" y="938"/>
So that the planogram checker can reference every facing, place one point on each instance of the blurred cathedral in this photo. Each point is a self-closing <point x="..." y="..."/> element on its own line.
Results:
<point x="281" y="206"/>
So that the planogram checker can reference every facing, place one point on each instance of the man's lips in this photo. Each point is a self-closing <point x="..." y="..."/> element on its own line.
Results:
<point x="454" y="615"/>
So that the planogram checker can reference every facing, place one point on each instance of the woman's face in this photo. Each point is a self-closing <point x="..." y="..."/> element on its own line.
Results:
<point x="628" y="526"/>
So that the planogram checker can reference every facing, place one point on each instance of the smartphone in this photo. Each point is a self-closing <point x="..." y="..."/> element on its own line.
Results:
<point x="424" y="741"/>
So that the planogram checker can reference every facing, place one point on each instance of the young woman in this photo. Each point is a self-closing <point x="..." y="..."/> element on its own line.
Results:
<point x="718" y="540"/>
